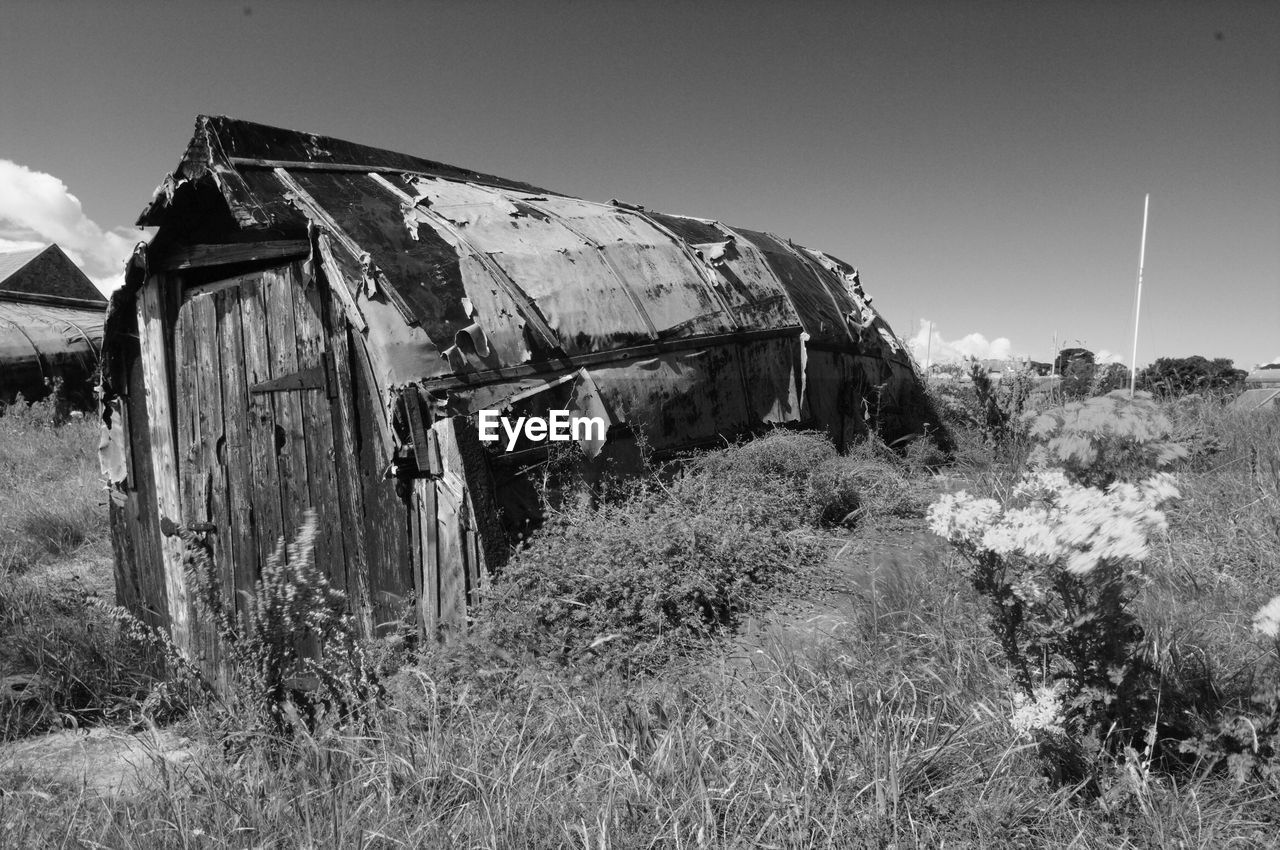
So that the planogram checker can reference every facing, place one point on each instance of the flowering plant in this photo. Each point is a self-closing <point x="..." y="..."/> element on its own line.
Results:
<point x="1104" y="439"/>
<point x="1058" y="563"/>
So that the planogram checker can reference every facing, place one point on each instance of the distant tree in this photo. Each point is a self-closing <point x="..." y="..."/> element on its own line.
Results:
<point x="1075" y="365"/>
<point x="1069" y="356"/>
<point x="1176" y="376"/>
<point x="1108" y="377"/>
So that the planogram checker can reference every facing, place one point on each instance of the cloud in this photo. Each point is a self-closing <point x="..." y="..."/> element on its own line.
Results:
<point x="37" y="208"/>
<point x="940" y="350"/>
<point x="1102" y="356"/>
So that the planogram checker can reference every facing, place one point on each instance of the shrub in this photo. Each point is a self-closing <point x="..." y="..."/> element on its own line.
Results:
<point x="1105" y="439"/>
<point x="846" y="488"/>
<point x="633" y="582"/>
<point x="1058" y="561"/>
<point x="292" y="659"/>
<point x="1059" y="565"/>
<point x="1176" y="376"/>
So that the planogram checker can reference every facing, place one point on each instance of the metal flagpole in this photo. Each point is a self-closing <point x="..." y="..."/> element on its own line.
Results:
<point x="1137" y="305"/>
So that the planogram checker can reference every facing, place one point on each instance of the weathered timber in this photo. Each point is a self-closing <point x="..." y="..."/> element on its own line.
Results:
<point x="153" y="343"/>
<point x="263" y="437"/>
<point x="321" y="452"/>
<point x="291" y="436"/>
<point x="203" y="256"/>
<point x="238" y="542"/>
<point x="349" y="485"/>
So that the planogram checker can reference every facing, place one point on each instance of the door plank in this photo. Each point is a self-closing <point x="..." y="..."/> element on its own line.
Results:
<point x="239" y="541"/>
<point x="351" y="488"/>
<point x="291" y="456"/>
<point x="321" y="456"/>
<point x="264" y="473"/>
<point x="152" y="339"/>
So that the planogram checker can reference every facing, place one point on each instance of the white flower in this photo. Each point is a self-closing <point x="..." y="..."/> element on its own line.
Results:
<point x="1267" y="620"/>
<point x="961" y="518"/>
<point x="1042" y="713"/>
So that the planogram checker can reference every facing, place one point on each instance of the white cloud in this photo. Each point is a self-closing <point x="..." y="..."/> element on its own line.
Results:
<point x="940" y="350"/>
<point x="37" y="208"/>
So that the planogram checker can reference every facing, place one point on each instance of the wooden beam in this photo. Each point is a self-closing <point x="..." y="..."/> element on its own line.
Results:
<point x="201" y="256"/>
<point x="164" y="462"/>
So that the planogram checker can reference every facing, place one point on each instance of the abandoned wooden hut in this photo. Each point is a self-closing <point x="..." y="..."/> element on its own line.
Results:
<point x="50" y="327"/>
<point x="317" y="324"/>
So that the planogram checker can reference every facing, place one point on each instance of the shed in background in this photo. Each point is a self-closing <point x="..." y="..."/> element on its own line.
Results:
<point x="51" y="325"/>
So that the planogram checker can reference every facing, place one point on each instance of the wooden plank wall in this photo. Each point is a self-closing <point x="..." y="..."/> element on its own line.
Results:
<point x="198" y="420"/>
<point x="386" y="512"/>
<point x="457" y="535"/>
<point x="350" y="484"/>
<point x="135" y="533"/>
<point x="207" y="452"/>
<point x="153" y="337"/>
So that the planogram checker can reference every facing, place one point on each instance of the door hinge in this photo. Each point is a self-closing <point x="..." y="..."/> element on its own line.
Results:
<point x="316" y="378"/>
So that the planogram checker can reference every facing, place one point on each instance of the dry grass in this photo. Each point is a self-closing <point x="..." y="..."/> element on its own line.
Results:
<point x="55" y="553"/>
<point x="879" y="721"/>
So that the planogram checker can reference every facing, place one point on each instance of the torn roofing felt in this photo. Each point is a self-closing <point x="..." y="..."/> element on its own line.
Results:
<point x="458" y="275"/>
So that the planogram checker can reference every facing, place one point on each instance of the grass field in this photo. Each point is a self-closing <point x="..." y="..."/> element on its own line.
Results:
<point x="734" y="668"/>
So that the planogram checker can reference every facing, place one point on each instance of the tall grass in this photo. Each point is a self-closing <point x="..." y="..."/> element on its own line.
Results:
<point x="62" y="662"/>
<point x="51" y="494"/>
<point x="880" y="720"/>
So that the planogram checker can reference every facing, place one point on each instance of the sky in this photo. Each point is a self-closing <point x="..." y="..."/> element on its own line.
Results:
<point x="983" y="164"/>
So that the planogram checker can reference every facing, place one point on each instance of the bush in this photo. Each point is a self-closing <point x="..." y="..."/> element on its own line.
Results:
<point x="633" y="582"/>
<point x="1058" y="561"/>
<point x="1105" y="439"/>
<point x="848" y="488"/>
<point x="291" y="659"/>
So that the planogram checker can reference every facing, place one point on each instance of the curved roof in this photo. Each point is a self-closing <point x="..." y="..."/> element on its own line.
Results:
<point x="453" y="273"/>
<point x="51" y="318"/>
<point x="45" y="336"/>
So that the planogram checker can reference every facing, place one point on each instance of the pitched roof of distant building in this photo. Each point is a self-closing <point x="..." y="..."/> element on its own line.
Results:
<point x="45" y="272"/>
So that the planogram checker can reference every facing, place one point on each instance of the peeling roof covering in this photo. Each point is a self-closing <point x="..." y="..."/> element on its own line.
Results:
<point x="458" y="274"/>
<point x="44" y="271"/>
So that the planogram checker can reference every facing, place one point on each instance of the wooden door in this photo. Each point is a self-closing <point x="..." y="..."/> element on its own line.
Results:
<point x="260" y="438"/>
